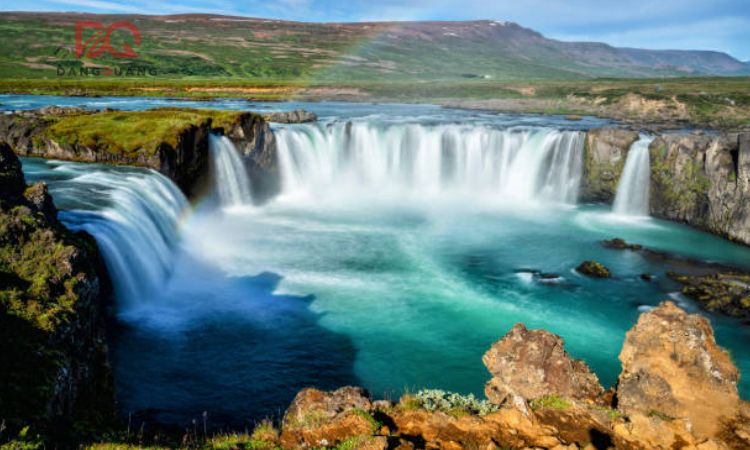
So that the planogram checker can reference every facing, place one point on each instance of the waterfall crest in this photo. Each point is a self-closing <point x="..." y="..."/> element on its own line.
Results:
<point x="230" y="176"/>
<point x="633" y="190"/>
<point x="137" y="232"/>
<point x="514" y="165"/>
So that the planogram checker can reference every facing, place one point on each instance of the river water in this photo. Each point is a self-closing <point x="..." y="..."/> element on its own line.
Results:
<point x="406" y="240"/>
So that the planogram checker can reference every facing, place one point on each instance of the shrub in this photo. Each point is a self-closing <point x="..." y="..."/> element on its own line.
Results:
<point x="453" y="403"/>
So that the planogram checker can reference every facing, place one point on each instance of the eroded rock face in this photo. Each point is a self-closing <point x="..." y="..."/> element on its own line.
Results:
<point x="528" y="364"/>
<point x="703" y="181"/>
<point x="673" y="368"/>
<point x="604" y="160"/>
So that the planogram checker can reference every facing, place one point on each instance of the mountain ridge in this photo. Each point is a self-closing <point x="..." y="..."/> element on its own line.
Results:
<point x="210" y="45"/>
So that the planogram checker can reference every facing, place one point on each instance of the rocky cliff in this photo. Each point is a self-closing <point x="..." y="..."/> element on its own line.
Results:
<point x="677" y="390"/>
<point x="173" y="141"/>
<point x="605" y="153"/>
<point x="701" y="180"/>
<point x="55" y="374"/>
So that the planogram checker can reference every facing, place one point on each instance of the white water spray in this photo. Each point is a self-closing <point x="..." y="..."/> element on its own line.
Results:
<point x="633" y="191"/>
<point x="229" y="173"/>
<point x="137" y="231"/>
<point x="514" y="166"/>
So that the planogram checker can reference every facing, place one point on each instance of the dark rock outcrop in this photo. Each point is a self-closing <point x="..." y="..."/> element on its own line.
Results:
<point x="295" y="116"/>
<point x="672" y="367"/>
<point x="725" y="292"/>
<point x="593" y="269"/>
<point x="54" y="359"/>
<point x="605" y="154"/>
<point x="703" y="181"/>
<point x="254" y="139"/>
<point x="528" y="364"/>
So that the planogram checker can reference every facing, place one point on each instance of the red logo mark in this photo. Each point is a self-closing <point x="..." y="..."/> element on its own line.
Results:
<point x="99" y="42"/>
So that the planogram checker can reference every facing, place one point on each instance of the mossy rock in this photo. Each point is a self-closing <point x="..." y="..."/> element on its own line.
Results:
<point x="594" y="269"/>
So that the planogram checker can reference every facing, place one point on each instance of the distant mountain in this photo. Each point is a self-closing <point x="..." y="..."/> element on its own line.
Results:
<point x="36" y="44"/>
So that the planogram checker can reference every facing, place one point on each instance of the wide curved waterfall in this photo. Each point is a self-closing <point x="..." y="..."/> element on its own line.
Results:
<point x="512" y="165"/>
<point x="635" y="183"/>
<point x="230" y="176"/>
<point x="137" y="230"/>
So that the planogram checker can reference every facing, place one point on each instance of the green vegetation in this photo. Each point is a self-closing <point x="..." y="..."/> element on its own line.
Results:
<point x="453" y="403"/>
<point x="549" y="401"/>
<point x="131" y="132"/>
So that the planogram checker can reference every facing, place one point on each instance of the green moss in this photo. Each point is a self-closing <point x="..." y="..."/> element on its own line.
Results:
<point x="133" y="133"/>
<point x="549" y="401"/>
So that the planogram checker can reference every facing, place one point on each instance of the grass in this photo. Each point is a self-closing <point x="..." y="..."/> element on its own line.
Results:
<point x="132" y="132"/>
<point x="549" y="401"/>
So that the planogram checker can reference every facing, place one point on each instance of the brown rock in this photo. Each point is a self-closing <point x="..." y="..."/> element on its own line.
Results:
<point x="317" y="418"/>
<point x="527" y="364"/>
<point x="672" y="368"/>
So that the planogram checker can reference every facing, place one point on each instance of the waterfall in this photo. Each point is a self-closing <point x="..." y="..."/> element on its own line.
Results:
<point x="229" y="173"/>
<point x="632" y="197"/>
<point x="513" y="165"/>
<point x="136" y="229"/>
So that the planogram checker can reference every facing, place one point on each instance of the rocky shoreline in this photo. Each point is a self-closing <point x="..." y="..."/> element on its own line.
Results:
<point x="677" y="390"/>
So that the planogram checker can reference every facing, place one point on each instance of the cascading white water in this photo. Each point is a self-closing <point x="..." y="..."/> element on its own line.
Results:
<point x="230" y="176"/>
<point x="633" y="190"/>
<point x="515" y="165"/>
<point x="137" y="231"/>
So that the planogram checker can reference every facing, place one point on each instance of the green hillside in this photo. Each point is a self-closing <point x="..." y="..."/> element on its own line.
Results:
<point x="42" y="45"/>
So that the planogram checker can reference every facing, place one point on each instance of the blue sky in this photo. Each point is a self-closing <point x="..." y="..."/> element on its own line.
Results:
<point x="722" y="25"/>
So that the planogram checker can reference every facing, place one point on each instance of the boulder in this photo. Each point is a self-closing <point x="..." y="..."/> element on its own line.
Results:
<point x="725" y="292"/>
<point x="620" y="244"/>
<point x="528" y="364"/>
<point x="317" y="418"/>
<point x="673" y="369"/>
<point x="593" y="269"/>
<point x="604" y="159"/>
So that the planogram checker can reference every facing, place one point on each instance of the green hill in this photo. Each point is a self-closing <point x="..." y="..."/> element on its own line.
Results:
<point x="38" y="45"/>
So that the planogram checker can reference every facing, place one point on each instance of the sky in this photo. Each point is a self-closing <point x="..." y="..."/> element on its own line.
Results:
<point x="722" y="25"/>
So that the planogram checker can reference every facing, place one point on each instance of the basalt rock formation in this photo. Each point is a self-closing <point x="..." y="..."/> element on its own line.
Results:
<point x="699" y="179"/>
<point x="173" y="141"/>
<point x="677" y="391"/>
<point x="55" y="376"/>
<point x="606" y="151"/>
<point x="703" y="181"/>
